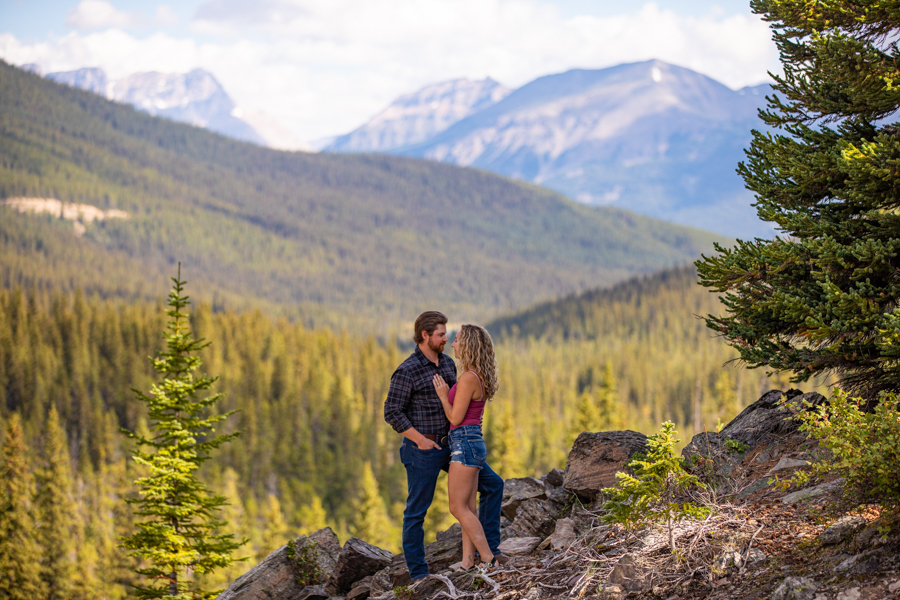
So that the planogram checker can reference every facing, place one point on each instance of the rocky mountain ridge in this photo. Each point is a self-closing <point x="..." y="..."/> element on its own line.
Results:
<point x="759" y="542"/>
<point x="414" y="118"/>
<point x="196" y="98"/>
<point x="651" y="137"/>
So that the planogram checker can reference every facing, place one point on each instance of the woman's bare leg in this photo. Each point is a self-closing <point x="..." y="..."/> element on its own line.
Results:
<point x="462" y="487"/>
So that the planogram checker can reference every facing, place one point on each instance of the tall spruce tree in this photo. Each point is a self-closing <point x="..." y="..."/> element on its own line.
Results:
<point x="20" y="555"/>
<point x="822" y="296"/>
<point x="179" y="535"/>
<point x="56" y="511"/>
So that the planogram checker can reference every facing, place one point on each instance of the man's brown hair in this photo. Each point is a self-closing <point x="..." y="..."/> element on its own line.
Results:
<point x="428" y="322"/>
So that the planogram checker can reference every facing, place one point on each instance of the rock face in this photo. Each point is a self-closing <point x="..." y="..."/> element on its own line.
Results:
<point x="517" y="491"/>
<point x="519" y="546"/>
<point x="596" y="457"/>
<point x="843" y="529"/>
<point x="358" y="559"/>
<point x="276" y="575"/>
<point x="535" y="518"/>
<point x="759" y="423"/>
<point x="795" y="588"/>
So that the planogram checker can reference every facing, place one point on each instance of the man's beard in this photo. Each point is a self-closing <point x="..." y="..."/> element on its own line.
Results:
<point x="436" y="347"/>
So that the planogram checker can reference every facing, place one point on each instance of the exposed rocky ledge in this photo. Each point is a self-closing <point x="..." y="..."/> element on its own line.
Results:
<point x="559" y="548"/>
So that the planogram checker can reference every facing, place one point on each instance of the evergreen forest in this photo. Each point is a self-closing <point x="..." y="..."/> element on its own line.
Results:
<point x="314" y="449"/>
<point x="333" y="240"/>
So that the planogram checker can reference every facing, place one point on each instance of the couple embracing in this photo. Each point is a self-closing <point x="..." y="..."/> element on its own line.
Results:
<point x="439" y="416"/>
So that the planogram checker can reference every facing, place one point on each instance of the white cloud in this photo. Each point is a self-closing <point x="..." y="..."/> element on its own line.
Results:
<point x="323" y="67"/>
<point x="95" y="14"/>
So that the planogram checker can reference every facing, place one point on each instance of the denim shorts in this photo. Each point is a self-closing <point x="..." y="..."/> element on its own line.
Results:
<point x="467" y="446"/>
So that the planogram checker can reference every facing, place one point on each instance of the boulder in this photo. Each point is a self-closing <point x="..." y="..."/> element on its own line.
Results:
<point x="795" y="588"/>
<point x="439" y="556"/>
<point x="535" y="518"/>
<point x="597" y="457"/>
<point x="509" y="507"/>
<point x="563" y="535"/>
<point x="277" y="574"/>
<point x="361" y="589"/>
<point x="841" y="530"/>
<point x="556" y="477"/>
<point x="813" y="492"/>
<point x="380" y="583"/>
<point x="527" y="486"/>
<point x="357" y="560"/>
<point x="760" y="423"/>
<point x="519" y="546"/>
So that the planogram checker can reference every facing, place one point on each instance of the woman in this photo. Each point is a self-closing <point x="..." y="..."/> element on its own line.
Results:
<point x="464" y="406"/>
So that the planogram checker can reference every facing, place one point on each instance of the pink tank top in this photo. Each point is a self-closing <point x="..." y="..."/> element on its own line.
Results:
<point x="475" y="412"/>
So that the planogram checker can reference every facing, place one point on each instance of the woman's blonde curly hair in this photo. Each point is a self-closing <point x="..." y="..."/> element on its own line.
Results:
<point x="475" y="352"/>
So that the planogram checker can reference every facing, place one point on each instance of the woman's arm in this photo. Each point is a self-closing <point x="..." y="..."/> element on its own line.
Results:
<point x="465" y="390"/>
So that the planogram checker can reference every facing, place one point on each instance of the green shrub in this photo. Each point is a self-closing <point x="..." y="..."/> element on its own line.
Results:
<point x="306" y="563"/>
<point x="864" y="446"/>
<point x="650" y="495"/>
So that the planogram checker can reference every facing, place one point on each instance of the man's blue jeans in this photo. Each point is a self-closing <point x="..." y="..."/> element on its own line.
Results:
<point x="422" y="470"/>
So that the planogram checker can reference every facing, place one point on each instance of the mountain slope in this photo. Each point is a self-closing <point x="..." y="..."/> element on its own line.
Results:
<point x="341" y="239"/>
<point x="650" y="137"/>
<point x="416" y="117"/>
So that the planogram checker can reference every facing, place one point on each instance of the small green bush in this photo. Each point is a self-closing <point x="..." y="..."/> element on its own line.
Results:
<point x="305" y="559"/>
<point x="864" y="446"/>
<point x="650" y="495"/>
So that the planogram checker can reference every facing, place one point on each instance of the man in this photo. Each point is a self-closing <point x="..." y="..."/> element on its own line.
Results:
<point x="414" y="410"/>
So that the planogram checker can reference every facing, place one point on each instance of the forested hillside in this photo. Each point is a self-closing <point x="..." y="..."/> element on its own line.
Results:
<point x="361" y="241"/>
<point x="314" y="447"/>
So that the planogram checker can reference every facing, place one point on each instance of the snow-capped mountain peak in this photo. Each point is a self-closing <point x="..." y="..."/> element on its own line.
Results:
<point x="416" y="117"/>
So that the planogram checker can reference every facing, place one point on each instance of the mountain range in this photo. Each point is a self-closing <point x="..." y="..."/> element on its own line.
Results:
<point x="345" y="240"/>
<point x="196" y="98"/>
<point x="651" y="137"/>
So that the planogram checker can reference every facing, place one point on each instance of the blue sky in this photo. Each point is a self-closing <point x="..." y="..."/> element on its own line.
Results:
<point x="323" y="67"/>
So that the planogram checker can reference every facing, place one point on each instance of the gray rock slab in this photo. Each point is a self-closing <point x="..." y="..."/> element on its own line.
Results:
<point x="509" y="507"/>
<point x="276" y="575"/>
<point x="842" y="530"/>
<point x="357" y="560"/>
<point x="788" y="463"/>
<point x="519" y="546"/>
<point x="556" y="477"/>
<point x="563" y="534"/>
<point x="812" y="492"/>
<point x="597" y="457"/>
<point x="795" y="588"/>
<point x="535" y="518"/>
<point x="313" y="592"/>
<point x="522" y="486"/>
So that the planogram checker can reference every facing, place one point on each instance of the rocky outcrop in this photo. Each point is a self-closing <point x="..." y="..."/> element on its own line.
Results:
<point x="276" y="575"/>
<point x="760" y="423"/>
<point x="517" y="491"/>
<point x="357" y="560"/>
<point x="597" y="457"/>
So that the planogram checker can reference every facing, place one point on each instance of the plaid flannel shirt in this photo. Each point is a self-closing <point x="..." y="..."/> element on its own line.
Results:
<point x="411" y="399"/>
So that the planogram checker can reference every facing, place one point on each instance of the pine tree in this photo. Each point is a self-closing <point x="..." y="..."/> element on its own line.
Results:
<point x="312" y="516"/>
<point x="56" y="512"/>
<point x="587" y="417"/>
<point x="507" y="447"/>
<point x="20" y="567"/>
<point x="820" y="297"/>
<point x="179" y="534"/>
<point x="372" y="522"/>
<point x="275" y="528"/>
